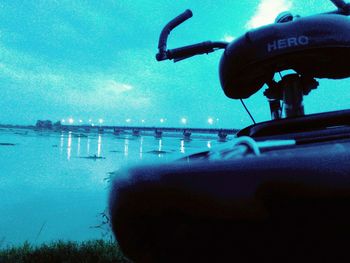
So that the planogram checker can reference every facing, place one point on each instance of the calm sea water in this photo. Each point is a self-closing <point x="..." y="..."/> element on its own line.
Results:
<point x="52" y="189"/>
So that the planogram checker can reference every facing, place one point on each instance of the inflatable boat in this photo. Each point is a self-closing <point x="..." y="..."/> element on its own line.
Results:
<point x="280" y="190"/>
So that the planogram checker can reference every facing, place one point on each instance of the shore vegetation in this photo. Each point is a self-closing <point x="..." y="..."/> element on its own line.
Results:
<point x="94" y="251"/>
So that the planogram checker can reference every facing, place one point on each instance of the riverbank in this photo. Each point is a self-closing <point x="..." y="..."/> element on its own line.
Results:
<point x="60" y="251"/>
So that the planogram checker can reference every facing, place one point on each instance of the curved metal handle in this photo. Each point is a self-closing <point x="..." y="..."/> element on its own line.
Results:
<point x="162" y="55"/>
<point x="343" y="7"/>
<point x="197" y="49"/>
<point x="340" y="4"/>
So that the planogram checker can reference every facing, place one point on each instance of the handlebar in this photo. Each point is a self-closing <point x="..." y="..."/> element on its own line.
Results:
<point x="339" y="3"/>
<point x="343" y="7"/>
<point x="197" y="49"/>
<point x="163" y="38"/>
<point x="187" y="51"/>
<point x="207" y="47"/>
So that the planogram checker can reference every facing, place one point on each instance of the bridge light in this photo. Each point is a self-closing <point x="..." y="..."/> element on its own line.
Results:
<point x="90" y="120"/>
<point x="80" y="121"/>
<point x="183" y="120"/>
<point x="70" y="120"/>
<point x="210" y="121"/>
<point x="143" y="121"/>
<point x="128" y="120"/>
<point x="100" y="121"/>
<point x="63" y="120"/>
<point x="161" y="120"/>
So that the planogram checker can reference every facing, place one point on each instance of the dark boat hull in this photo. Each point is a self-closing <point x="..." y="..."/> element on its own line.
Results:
<point x="286" y="206"/>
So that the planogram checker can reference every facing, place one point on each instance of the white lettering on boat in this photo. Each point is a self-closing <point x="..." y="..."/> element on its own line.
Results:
<point x="287" y="42"/>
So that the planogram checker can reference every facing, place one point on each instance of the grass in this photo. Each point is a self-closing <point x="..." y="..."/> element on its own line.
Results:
<point x="90" y="251"/>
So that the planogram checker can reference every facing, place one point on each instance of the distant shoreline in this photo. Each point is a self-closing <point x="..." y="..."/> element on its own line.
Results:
<point x="16" y="126"/>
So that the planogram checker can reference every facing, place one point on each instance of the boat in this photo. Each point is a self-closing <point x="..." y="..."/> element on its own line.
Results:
<point x="278" y="192"/>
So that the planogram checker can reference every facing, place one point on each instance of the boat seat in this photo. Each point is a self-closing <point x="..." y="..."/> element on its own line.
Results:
<point x="315" y="46"/>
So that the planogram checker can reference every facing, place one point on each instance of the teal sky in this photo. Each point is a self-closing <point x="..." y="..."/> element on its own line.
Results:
<point x="96" y="59"/>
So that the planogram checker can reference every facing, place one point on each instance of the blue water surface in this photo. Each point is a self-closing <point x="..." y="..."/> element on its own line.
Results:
<point x="54" y="185"/>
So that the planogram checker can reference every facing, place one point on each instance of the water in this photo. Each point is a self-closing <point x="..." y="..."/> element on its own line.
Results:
<point x="52" y="189"/>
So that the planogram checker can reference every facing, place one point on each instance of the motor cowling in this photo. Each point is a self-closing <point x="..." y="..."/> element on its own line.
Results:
<point x="316" y="46"/>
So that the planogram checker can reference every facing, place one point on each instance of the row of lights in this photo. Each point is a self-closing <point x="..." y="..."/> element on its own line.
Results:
<point x="162" y="120"/>
<point x="72" y="121"/>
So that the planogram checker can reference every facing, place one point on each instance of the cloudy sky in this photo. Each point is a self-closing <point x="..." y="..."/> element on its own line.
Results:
<point x="96" y="59"/>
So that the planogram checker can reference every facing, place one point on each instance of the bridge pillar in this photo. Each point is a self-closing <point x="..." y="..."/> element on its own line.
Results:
<point x="222" y="135"/>
<point x="71" y="128"/>
<point x="136" y="132"/>
<point x="87" y="129"/>
<point x="186" y="134"/>
<point x="117" y="131"/>
<point x="158" y="133"/>
<point x="100" y="130"/>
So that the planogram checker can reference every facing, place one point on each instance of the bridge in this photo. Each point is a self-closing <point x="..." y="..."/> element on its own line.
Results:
<point x="157" y="131"/>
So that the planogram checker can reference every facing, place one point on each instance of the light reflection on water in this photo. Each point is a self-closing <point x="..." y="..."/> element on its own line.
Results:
<point x="88" y="146"/>
<point x="69" y="141"/>
<point x="69" y="145"/>
<point x="61" y="143"/>
<point x="126" y="147"/>
<point x="159" y="147"/>
<point x="141" y="150"/>
<point x="209" y="144"/>
<point x="99" y="143"/>
<point x="55" y="179"/>
<point x="78" y="147"/>
<point x="182" y="146"/>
